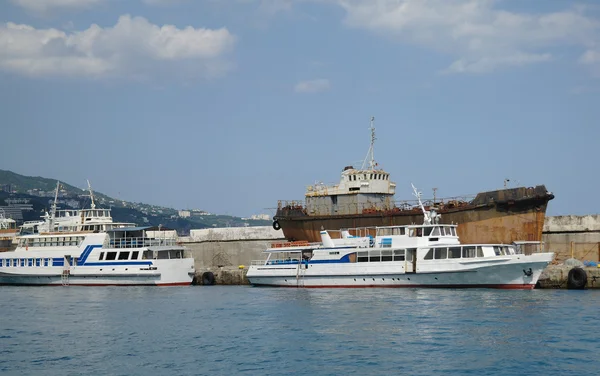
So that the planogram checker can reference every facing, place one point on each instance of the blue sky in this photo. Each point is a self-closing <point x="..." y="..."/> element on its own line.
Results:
<point x="229" y="106"/>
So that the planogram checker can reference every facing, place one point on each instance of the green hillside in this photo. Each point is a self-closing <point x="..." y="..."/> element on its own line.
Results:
<point x="38" y="191"/>
<point x="25" y="183"/>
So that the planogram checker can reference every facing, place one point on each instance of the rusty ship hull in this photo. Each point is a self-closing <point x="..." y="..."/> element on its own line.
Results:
<point x="501" y="216"/>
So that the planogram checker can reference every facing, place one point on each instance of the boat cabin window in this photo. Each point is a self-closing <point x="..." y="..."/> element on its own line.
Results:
<point x="101" y="256"/>
<point x="163" y="255"/>
<point x="386" y="255"/>
<point x="363" y="256"/>
<point x="454" y="252"/>
<point x="111" y="255"/>
<point x="429" y="255"/>
<point x="123" y="255"/>
<point x="468" y="252"/>
<point x="440" y="253"/>
<point x="399" y="254"/>
<point x="479" y="251"/>
<point x="135" y="255"/>
<point x="374" y="256"/>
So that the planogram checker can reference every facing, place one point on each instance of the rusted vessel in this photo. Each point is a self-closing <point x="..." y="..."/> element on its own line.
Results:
<point x="365" y="197"/>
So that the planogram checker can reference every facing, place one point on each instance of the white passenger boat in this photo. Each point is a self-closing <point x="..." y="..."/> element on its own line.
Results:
<point x="86" y="248"/>
<point x="428" y="255"/>
<point x="119" y="257"/>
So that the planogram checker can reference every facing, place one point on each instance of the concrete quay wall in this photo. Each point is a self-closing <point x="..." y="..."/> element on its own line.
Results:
<point x="572" y="236"/>
<point x="230" y="247"/>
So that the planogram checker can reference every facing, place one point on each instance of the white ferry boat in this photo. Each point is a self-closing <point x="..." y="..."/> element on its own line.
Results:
<point x="428" y="255"/>
<point x="118" y="257"/>
<point x="85" y="247"/>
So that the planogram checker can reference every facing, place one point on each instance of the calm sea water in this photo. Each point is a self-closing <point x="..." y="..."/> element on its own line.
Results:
<point x="240" y="330"/>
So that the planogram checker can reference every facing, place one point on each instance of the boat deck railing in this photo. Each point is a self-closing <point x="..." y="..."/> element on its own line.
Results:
<point x="140" y="242"/>
<point x="358" y="208"/>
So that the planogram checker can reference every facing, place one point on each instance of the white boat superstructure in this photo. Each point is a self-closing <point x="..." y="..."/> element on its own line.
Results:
<point x="73" y="220"/>
<point x="120" y="257"/>
<point x="8" y="231"/>
<point x="427" y="255"/>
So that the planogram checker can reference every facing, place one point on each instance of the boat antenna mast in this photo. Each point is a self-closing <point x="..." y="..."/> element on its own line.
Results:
<point x="93" y="205"/>
<point x="370" y="158"/>
<point x="53" y="210"/>
<point x="429" y="217"/>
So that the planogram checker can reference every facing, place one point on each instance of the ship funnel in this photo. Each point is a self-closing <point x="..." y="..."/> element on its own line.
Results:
<point x="326" y="239"/>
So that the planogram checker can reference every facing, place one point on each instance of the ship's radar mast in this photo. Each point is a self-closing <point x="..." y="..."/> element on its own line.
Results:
<point x="53" y="211"/>
<point x="93" y="205"/>
<point x="370" y="158"/>
<point x="429" y="216"/>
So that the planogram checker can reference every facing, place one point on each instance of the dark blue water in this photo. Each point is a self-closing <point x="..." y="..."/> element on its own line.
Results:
<point x="223" y="330"/>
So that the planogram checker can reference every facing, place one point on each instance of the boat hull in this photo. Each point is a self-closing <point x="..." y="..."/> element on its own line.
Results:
<point x="507" y="273"/>
<point x="488" y="219"/>
<point x="163" y="273"/>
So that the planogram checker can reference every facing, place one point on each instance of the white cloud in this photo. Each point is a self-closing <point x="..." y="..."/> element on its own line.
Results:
<point x="133" y="46"/>
<point x="312" y="86"/>
<point x="476" y="33"/>
<point x="45" y="5"/>
<point x="590" y="57"/>
<point x="161" y="2"/>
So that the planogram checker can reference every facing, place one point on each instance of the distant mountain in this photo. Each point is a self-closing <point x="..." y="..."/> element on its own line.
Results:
<point x="34" y="195"/>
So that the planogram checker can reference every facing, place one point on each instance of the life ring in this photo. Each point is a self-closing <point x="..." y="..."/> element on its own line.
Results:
<point x="208" y="278"/>
<point x="577" y="279"/>
<point x="276" y="225"/>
